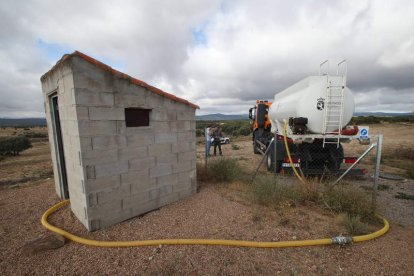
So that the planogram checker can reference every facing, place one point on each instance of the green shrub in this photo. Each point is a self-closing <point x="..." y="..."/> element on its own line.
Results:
<point x="14" y="145"/>
<point x="361" y="120"/>
<point x="354" y="225"/>
<point x="352" y="201"/>
<point x="202" y="172"/>
<point x="224" y="170"/>
<point x="404" y="196"/>
<point x="235" y="147"/>
<point x="35" y="134"/>
<point x="268" y="191"/>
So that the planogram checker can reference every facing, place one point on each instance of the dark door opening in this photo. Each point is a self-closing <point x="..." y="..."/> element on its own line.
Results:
<point x="60" y="156"/>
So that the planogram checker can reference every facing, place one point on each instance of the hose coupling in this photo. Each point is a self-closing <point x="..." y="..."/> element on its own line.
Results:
<point x="341" y="240"/>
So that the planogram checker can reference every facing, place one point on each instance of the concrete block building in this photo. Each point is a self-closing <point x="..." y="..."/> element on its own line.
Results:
<point x="120" y="147"/>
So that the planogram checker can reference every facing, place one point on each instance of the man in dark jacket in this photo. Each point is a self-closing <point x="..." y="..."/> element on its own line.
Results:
<point x="217" y="134"/>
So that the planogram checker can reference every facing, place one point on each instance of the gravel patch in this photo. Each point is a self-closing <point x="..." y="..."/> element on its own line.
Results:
<point x="207" y="214"/>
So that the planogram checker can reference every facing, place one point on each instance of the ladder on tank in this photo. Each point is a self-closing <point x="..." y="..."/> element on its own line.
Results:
<point x="334" y="103"/>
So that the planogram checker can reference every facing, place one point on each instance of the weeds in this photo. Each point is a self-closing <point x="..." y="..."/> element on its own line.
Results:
<point x="401" y="195"/>
<point x="267" y="191"/>
<point x="402" y="158"/>
<point x="381" y="187"/>
<point x="404" y="153"/>
<point x="257" y="215"/>
<point x="354" y="225"/>
<point x="410" y="174"/>
<point x="235" y="147"/>
<point x="309" y="191"/>
<point x="353" y="201"/>
<point x="220" y="170"/>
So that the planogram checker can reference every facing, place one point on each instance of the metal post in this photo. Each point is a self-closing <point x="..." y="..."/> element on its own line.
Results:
<point x="275" y="152"/>
<point x="377" y="172"/>
<point x="206" y="149"/>
<point x="353" y="165"/>
<point x="261" y="161"/>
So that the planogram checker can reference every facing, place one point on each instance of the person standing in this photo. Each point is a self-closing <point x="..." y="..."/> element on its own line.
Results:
<point x="217" y="134"/>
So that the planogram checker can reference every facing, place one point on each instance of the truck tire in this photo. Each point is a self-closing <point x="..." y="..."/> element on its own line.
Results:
<point x="336" y="158"/>
<point x="270" y="162"/>
<point x="255" y="145"/>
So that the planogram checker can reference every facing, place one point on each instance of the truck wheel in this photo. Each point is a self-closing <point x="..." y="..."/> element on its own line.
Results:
<point x="336" y="157"/>
<point x="270" y="163"/>
<point x="255" y="150"/>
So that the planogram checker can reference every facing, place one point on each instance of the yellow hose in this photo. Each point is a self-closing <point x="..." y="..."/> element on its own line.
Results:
<point x="374" y="235"/>
<point x="290" y="157"/>
<point x="237" y="243"/>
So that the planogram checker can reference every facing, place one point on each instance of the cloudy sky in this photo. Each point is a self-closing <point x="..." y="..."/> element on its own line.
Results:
<point x="221" y="55"/>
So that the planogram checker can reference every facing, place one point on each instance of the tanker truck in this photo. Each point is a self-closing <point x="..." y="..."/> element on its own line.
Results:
<point x="311" y="114"/>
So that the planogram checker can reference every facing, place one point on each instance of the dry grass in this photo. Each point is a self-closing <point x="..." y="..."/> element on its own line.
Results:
<point x="217" y="211"/>
<point x="354" y="225"/>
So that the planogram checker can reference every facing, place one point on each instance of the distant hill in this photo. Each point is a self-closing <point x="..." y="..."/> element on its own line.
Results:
<point x="221" y="117"/>
<point x="381" y="114"/>
<point x="209" y="117"/>
<point x="22" y="122"/>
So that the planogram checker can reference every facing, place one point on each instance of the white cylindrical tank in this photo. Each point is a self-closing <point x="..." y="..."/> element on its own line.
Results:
<point x="308" y="98"/>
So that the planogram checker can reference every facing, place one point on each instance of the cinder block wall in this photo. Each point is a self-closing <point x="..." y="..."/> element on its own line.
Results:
<point x="60" y="81"/>
<point x="121" y="172"/>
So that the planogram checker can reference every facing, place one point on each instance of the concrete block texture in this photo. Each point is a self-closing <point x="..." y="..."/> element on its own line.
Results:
<point x="161" y="170"/>
<point x="87" y="75"/>
<point x="104" y="183"/>
<point x="141" y="164"/>
<point x="162" y="138"/>
<point x="110" y="195"/>
<point x="110" y="169"/>
<point x="108" y="142"/>
<point x="117" y="172"/>
<point x="95" y="157"/>
<point x="139" y="181"/>
<point x="95" y="128"/>
<point x="87" y="97"/>
<point x="163" y="115"/>
<point x="159" y="149"/>
<point x="106" y="113"/>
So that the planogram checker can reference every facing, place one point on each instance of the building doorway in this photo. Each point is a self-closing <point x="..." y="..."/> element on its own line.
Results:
<point x="57" y="137"/>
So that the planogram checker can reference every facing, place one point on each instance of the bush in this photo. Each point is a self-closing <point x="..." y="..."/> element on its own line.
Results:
<point x="352" y="201"/>
<point x="354" y="225"/>
<point x="235" y="147"/>
<point x="35" y="135"/>
<point x="224" y="170"/>
<point x="202" y="172"/>
<point x="268" y="191"/>
<point x="14" y="145"/>
<point x="361" y="120"/>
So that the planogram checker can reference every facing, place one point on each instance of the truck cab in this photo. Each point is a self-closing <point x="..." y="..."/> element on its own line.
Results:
<point x="260" y="125"/>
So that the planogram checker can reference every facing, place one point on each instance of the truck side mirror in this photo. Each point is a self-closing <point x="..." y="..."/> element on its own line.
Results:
<point x="250" y="113"/>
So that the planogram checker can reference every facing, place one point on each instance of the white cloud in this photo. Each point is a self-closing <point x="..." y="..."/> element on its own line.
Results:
<point x="222" y="55"/>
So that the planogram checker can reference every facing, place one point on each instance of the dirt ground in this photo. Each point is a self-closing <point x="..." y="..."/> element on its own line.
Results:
<point x="212" y="213"/>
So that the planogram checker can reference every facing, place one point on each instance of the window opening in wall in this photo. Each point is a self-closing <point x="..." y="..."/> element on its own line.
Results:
<point x="137" y="117"/>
